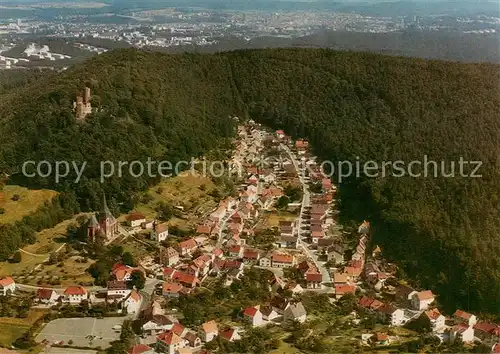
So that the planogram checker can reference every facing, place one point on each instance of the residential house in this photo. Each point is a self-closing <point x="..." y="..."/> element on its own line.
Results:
<point x="279" y="304"/>
<point x="75" y="294"/>
<point x="403" y="294"/>
<point x="253" y="315"/>
<point x="135" y="219"/>
<point x="422" y="299"/>
<point x="159" y="232"/>
<point x="464" y="317"/>
<point x="202" y="263"/>
<point x="233" y="274"/>
<point x="187" y="247"/>
<point x="268" y="313"/>
<point x="169" y="343"/>
<point x="364" y="228"/>
<point x="123" y="272"/>
<point x="203" y="229"/>
<point x="276" y="283"/>
<point x="461" y="332"/>
<point x="230" y="335"/>
<point x="287" y="242"/>
<point x="193" y="340"/>
<point x="341" y="290"/>
<point x="133" y="302"/>
<point x="335" y="253"/>
<point x="295" y="312"/>
<point x="185" y="279"/>
<point x="282" y="260"/>
<point x="288" y="228"/>
<point x="209" y="331"/>
<point x="340" y="278"/>
<point x="7" y="286"/>
<point x="171" y="290"/>
<point x="314" y="280"/>
<point x="179" y="329"/>
<point x="381" y="338"/>
<point x="294" y="288"/>
<point x="148" y="224"/>
<point x="251" y="255"/>
<point x="435" y="319"/>
<point x="169" y="256"/>
<point x="280" y="134"/>
<point x="317" y="235"/>
<point x="487" y="331"/>
<point x="117" y="290"/>
<point x="393" y="315"/>
<point x="236" y="251"/>
<point x="46" y="296"/>
<point x="157" y="323"/>
<point x="141" y="349"/>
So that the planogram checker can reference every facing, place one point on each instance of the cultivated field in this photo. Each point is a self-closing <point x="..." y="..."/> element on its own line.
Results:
<point x="84" y="332"/>
<point x="29" y="201"/>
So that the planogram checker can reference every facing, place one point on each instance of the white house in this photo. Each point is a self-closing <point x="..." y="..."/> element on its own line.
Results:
<point x="464" y="317"/>
<point x="295" y="312"/>
<point x="436" y="319"/>
<point x="230" y="335"/>
<point x="7" y="286"/>
<point x="135" y="219"/>
<point x="117" y="289"/>
<point x="209" y="331"/>
<point x="461" y="332"/>
<point x="47" y="296"/>
<point x="169" y="343"/>
<point x="422" y="299"/>
<point x="395" y="316"/>
<point x="159" y="232"/>
<point x="268" y="313"/>
<point x="254" y="316"/>
<point x="75" y="294"/>
<point x="133" y="302"/>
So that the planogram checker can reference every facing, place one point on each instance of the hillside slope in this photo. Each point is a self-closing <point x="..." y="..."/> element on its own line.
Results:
<point x="443" y="230"/>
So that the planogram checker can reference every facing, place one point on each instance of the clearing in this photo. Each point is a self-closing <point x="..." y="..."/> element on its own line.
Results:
<point x="185" y="190"/>
<point x="13" y="328"/>
<point x="29" y="201"/>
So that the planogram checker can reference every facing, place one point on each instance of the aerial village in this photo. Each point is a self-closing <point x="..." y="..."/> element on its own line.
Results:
<point x="303" y="253"/>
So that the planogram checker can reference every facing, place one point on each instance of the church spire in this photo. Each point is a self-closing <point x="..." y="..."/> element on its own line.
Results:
<point x="105" y="212"/>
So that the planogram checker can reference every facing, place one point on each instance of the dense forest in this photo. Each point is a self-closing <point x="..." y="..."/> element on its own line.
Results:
<point x="444" y="231"/>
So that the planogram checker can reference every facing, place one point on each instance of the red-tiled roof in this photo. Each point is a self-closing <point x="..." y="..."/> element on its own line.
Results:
<point x="425" y="295"/>
<point x="210" y="327"/>
<point x="188" y="244"/>
<point x="171" y="288"/>
<point x="344" y="289"/>
<point x="462" y="314"/>
<point x="139" y="349"/>
<point x="203" y="229"/>
<point x="75" y="290"/>
<point x="44" y="294"/>
<point x="6" y="281"/>
<point x="366" y="301"/>
<point x="250" y="311"/>
<point x="169" y="338"/>
<point x="250" y="254"/>
<point x="178" y="328"/>
<point x="135" y="216"/>
<point x="433" y="314"/>
<point x="316" y="277"/>
<point x="228" y="334"/>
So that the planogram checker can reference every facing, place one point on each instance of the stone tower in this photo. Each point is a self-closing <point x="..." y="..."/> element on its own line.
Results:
<point x="82" y="105"/>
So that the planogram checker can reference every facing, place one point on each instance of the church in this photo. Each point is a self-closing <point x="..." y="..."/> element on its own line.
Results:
<point x="106" y="226"/>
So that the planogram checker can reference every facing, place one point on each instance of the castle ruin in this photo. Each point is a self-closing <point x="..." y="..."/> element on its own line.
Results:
<point x="82" y="105"/>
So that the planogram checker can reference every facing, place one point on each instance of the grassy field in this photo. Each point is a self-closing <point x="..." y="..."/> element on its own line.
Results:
<point x="273" y="219"/>
<point x="27" y="264"/>
<point x="186" y="190"/>
<point x="49" y="240"/>
<point x="29" y="201"/>
<point x="13" y="328"/>
<point x="70" y="273"/>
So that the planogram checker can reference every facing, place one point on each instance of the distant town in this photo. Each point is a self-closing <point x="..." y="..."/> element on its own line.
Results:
<point x="28" y="42"/>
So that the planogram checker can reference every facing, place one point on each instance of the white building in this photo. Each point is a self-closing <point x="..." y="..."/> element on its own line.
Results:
<point x="7" y="286"/>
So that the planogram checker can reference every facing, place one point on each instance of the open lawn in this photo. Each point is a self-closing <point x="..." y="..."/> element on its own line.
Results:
<point x="26" y="266"/>
<point x="187" y="191"/>
<point x="49" y="240"/>
<point x="29" y="201"/>
<point x="13" y="328"/>
<point x="273" y="219"/>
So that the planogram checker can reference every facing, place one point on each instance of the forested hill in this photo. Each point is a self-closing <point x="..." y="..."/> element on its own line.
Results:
<point x="445" y="231"/>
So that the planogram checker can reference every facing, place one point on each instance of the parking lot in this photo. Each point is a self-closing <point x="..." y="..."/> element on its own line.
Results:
<point x="83" y="332"/>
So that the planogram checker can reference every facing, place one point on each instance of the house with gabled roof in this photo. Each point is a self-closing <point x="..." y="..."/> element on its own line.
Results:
<point x="135" y="219"/>
<point x="7" y="286"/>
<point x="209" y="330"/>
<point x="280" y="260"/>
<point x="168" y="342"/>
<point x="187" y="247"/>
<point x="230" y="335"/>
<point x="253" y="315"/>
<point x="141" y="349"/>
<point x="168" y="256"/>
<point x="422" y="299"/>
<point x="133" y="302"/>
<point x="435" y="319"/>
<point x="295" y="312"/>
<point x="46" y="296"/>
<point x="75" y="294"/>
<point x="159" y="232"/>
<point x="464" y="317"/>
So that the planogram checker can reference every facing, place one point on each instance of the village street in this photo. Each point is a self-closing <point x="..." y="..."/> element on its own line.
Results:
<point x="303" y="222"/>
